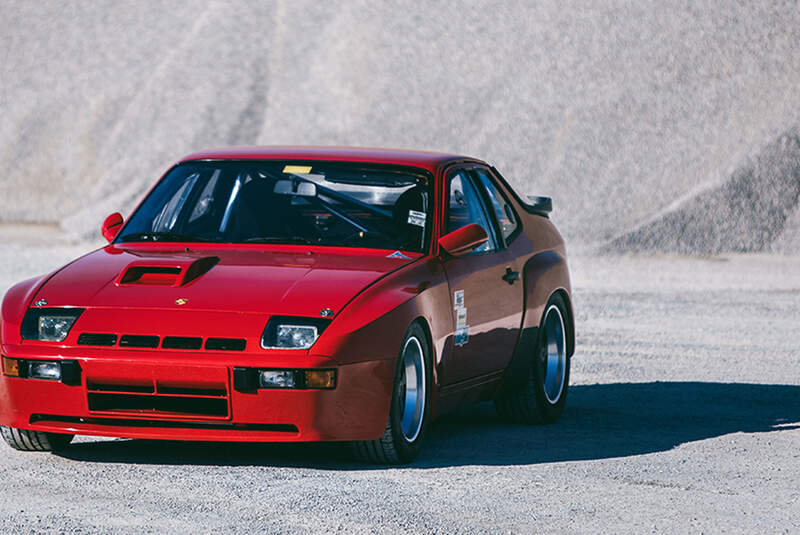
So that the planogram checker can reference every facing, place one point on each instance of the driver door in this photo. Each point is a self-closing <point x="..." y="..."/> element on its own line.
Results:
<point x="486" y="302"/>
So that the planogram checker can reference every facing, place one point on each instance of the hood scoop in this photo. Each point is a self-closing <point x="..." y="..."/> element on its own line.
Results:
<point x="172" y="272"/>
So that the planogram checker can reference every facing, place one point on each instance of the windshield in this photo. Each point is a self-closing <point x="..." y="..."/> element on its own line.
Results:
<point x="351" y="205"/>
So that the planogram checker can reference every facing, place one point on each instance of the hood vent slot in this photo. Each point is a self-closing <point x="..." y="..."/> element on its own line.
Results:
<point x="198" y="268"/>
<point x="151" y="275"/>
<point x="166" y="273"/>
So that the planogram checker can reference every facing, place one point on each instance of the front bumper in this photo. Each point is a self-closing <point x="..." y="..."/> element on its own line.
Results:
<point x="191" y="397"/>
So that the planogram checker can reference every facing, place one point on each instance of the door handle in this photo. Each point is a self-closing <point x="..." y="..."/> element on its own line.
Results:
<point x="511" y="276"/>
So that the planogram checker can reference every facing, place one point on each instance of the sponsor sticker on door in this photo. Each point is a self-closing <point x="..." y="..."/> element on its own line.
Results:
<point x="462" y="329"/>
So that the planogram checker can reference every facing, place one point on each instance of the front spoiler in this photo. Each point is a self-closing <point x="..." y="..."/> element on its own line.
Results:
<point x="357" y="409"/>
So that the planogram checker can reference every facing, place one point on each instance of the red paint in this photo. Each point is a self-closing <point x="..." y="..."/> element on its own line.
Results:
<point x="111" y="226"/>
<point x="133" y="288"/>
<point x="464" y="240"/>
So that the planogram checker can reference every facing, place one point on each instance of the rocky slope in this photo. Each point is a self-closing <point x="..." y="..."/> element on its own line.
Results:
<point x="621" y="111"/>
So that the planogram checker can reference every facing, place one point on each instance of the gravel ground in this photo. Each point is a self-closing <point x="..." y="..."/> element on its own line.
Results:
<point x="684" y="416"/>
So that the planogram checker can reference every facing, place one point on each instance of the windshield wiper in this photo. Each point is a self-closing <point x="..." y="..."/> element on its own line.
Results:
<point x="163" y="236"/>
<point x="288" y="240"/>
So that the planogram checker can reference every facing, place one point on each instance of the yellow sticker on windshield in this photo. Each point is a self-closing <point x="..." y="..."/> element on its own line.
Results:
<point x="297" y="169"/>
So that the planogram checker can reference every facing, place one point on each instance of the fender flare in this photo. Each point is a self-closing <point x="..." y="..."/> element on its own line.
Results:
<point x="545" y="274"/>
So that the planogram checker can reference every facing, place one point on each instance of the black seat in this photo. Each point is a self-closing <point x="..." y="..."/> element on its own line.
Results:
<point x="410" y="234"/>
<point x="258" y="212"/>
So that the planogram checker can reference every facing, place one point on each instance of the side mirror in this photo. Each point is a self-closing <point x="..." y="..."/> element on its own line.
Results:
<point x="464" y="240"/>
<point x="111" y="226"/>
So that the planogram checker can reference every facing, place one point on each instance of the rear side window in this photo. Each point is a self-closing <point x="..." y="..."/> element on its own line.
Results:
<point x="506" y="217"/>
<point x="465" y="208"/>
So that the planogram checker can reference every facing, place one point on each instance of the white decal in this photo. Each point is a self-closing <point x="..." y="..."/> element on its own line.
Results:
<point x="462" y="329"/>
<point x="397" y="254"/>
<point x="462" y="335"/>
<point x="461" y="317"/>
<point x="417" y="218"/>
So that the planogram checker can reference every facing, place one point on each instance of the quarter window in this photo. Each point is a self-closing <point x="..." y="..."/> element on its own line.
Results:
<point x="506" y="217"/>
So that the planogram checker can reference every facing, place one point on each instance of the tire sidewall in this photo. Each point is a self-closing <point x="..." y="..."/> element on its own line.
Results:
<point x="408" y="450"/>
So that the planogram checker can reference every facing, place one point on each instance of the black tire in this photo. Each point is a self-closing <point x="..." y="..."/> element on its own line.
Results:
<point x="394" y="447"/>
<point x="529" y="402"/>
<point x="25" y="440"/>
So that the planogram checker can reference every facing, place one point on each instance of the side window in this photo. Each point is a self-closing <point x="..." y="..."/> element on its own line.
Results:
<point x="203" y="204"/>
<point x="465" y="208"/>
<point x="165" y="221"/>
<point x="506" y="217"/>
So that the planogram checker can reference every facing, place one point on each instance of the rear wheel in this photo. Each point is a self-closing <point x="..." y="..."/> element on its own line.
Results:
<point x="408" y="416"/>
<point x="25" y="440"/>
<point x="542" y="396"/>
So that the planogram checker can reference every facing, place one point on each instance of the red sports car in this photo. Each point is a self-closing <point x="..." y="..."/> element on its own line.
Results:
<point x="296" y="294"/>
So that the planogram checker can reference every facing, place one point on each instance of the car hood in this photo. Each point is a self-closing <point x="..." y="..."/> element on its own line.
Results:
<point x="285" y="280"/>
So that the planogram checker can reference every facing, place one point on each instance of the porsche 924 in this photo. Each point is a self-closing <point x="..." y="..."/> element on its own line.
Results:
<point x="297" y="294"/>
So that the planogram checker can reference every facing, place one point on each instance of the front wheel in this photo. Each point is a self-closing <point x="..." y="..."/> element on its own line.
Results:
<point x="26" y="440"/>
<point x="408" y="416"/>
<point x="541" y="397"/>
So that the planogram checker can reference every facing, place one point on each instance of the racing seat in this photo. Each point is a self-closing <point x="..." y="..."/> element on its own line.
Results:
<point x="409" y="233"/>
<point x="261" y="213"/>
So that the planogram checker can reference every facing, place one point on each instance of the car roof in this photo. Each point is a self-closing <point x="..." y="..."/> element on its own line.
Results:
<point x="432" y="161"/>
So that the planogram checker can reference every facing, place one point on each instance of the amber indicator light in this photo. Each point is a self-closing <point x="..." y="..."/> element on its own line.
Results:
<point x="320" y="379"/>
<point x="11" y="367"/>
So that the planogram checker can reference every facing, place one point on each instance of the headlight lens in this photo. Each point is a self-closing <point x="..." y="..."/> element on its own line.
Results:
<point x="292" y="333"/>
<point x="49" y="324"/>
<point x="45" y="370"/>
<point x="297" y="336"/>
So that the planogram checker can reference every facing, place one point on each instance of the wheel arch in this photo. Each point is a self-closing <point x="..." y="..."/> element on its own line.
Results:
<point x="570" y="320"/>
<point x="545" y="274"/>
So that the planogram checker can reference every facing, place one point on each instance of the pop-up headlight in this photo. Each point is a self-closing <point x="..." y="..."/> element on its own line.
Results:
<point x="284" y="332"/>
<point x="49" y="324"/>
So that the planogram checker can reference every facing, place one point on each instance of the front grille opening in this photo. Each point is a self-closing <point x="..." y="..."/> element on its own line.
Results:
<point x="218" y="392"/>
<point x="135" y="340"/>
<point x="104" y="387"/>
<point x="226" y="344"/>
<point x="97" y="339"/>
<point x="182" y="342"/>
<point x="158" y="404"/>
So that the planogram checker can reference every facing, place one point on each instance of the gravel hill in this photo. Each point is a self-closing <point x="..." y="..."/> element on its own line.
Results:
<point x="632" y="115"/>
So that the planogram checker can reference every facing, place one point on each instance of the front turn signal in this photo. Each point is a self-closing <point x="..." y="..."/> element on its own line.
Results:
<point x="320" y="379"/>
<point x="11" y="367"/>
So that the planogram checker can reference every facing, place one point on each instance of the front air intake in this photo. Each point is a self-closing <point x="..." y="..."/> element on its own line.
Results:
<point x="134" y="340"/>
<point x="182" y="342"/>
<point x="97" y="339"/>
<point x="226" y="344"/>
